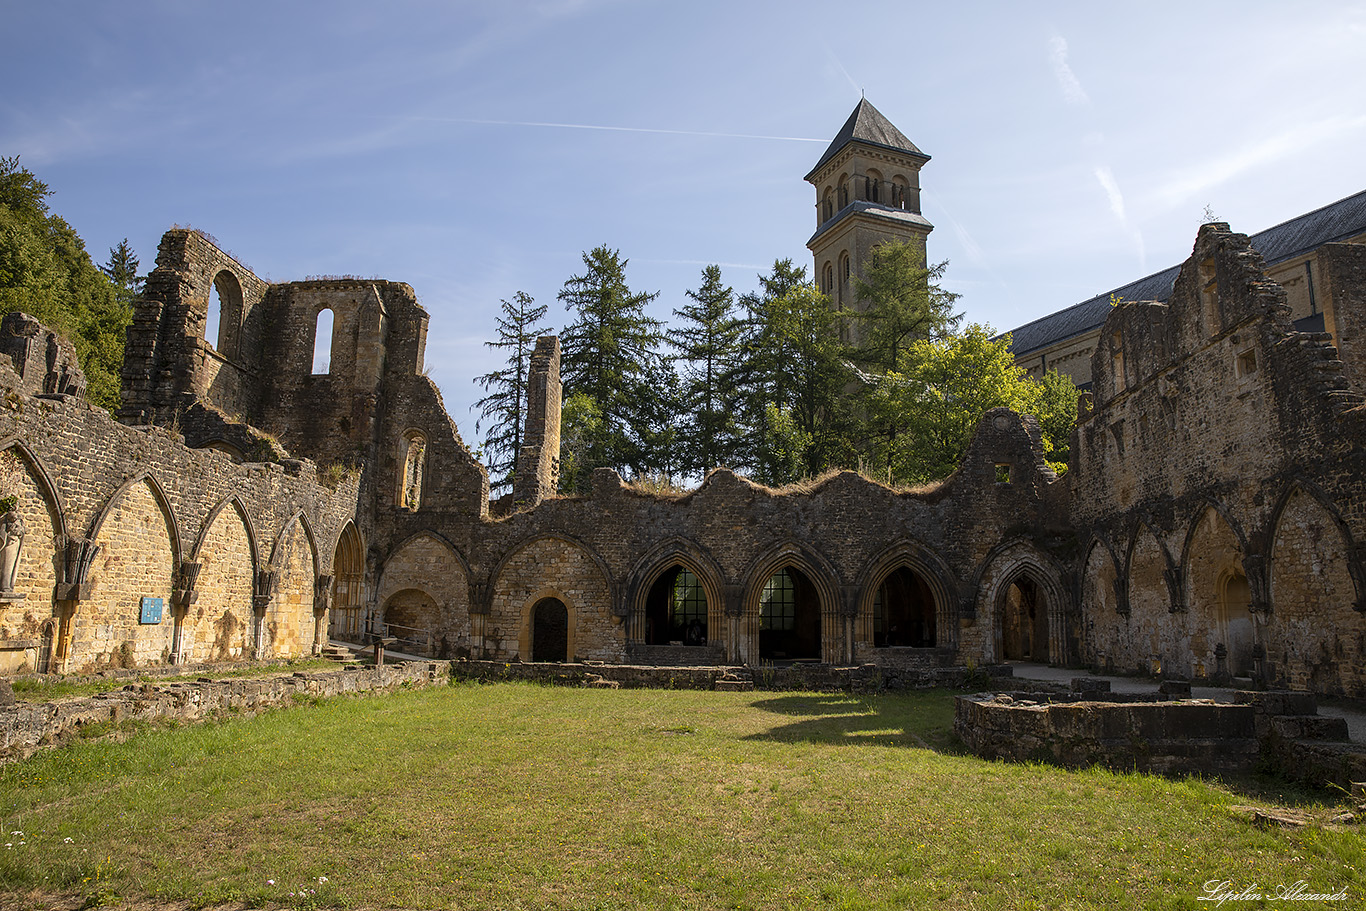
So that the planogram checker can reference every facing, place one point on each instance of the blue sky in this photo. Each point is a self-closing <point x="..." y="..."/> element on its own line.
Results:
<point x="476" y="149"/>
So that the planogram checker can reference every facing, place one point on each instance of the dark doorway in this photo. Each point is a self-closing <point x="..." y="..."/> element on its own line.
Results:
<point x="550" y="630"/>
<point x="789" y="618"/>
<point x="904" y="612"/>
<point x="676" y="610"/>
<point x="1024" y="623"/>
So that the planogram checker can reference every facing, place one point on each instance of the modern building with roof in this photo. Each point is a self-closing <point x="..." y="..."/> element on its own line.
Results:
<point x="1064" y="340"/>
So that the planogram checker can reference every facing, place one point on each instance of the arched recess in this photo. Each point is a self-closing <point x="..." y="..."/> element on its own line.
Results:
<point x="348" y="586"/>
<point x="219" y="625"/>
<point x="650" y="573"/>
<point x="428" y="563"/>
<point x="223" y="321"/>
<point x="1153" y="629"/>
<point x="552" y="566"/>
<point x="289" y="627"/>
<point x="411" y="616"/>
<point x="1219" y="594"/>
<point x="1313" y="636"/>
<point x="1104" y="630"/>
<point x="929" y="571"/>
<point x="813" y="588"/>
<point x="1023" y="592"/>
<point x="32" y="533"/>
<point x="128" y="618"/>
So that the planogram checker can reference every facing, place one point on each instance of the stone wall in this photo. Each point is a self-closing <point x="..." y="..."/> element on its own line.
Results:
<point x="27" y="727"/>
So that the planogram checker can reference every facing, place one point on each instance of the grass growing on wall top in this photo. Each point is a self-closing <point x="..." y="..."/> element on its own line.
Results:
<point x="520" y="796"/>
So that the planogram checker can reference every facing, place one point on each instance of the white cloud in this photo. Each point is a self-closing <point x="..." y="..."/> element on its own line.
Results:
<point x="1111" y="187"/>
<point x="1067" y="80"/>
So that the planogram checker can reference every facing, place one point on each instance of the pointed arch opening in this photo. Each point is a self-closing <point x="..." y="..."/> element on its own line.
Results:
<point x="1024" y="622"/>
<point x="348" y="574"/>
<point x="414" y="456"/>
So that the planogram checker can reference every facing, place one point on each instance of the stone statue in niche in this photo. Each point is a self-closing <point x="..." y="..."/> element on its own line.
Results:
<point x="12" y="533"/>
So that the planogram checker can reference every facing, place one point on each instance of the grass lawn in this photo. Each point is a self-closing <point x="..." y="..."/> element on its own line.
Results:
<point x="520" y="796"/>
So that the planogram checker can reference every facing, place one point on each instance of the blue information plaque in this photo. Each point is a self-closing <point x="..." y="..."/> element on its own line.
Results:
<point x="151" y="610"/>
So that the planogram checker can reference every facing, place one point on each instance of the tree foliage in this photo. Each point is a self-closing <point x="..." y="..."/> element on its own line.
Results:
<point x="902" y="303"/>
<point x="708" y="346"/>
<point x="46" y="272"/>
<point x="611" y="354"/>
<point x="940" y="391"/>
<point x="504" y="408"/>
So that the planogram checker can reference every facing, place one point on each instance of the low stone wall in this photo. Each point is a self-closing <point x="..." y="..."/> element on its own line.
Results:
<point x="1163" y="737"/>
<point x="866" y="678"/>
<point x="27" y="727"/>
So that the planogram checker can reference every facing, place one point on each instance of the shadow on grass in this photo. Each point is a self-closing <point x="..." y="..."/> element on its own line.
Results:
<point x="921" y="720"/>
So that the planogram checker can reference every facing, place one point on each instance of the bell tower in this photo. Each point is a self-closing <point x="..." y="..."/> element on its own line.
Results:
<point x="867" y="192"/>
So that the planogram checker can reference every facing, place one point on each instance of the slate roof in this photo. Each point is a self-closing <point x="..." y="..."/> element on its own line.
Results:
<point x="864" y="207"/>
<point x="1296" y="237"/>
<point x="868" y="125"/>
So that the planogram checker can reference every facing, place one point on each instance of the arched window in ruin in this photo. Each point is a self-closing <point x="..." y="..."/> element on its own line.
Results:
<point x="224" y="315"/>
<point x="676" y="610"/>
<point x="904" y="611"/>
<point x="322" y="342"/>
<point x="1024" y="622"/>
<point x="550" y="630"/>
<point x="348" y="569"/>
<point x="414" y="468"/>
<point x="789" y="617"/>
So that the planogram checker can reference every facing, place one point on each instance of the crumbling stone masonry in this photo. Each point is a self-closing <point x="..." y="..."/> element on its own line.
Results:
<point x="1207" y="527"/>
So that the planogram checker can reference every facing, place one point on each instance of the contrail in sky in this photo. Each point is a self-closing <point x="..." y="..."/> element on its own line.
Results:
<point x="594" y="126"/>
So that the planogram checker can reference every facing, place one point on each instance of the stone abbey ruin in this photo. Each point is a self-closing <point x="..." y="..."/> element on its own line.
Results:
<point x="241" y="505"/>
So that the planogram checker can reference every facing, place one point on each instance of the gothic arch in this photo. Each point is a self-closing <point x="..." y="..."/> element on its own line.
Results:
<point x="1010" y="564"/>
<point x="1316" y="493"/>
<point x="822" y="576"/>
<point x="655" y="563"/>
<point x="40" y="474"/>
<point x="276" y="549"/>
<point x="927" y="564"/>
<point x="1169" y="570"/>
<point x="397" y="549"/>
<point x="608" y="579"/>
<point x="1205" y="504"/>
<point x="235" y="501"/>
<point x="158" y="494"/>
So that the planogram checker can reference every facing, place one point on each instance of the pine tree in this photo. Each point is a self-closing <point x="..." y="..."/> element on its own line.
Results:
<point x="504" y="408"/>
<point x="122" y="268"/>
<point x="610" y="354"/>
<point x="708" y="346"/>
<point x="903" y="303"/>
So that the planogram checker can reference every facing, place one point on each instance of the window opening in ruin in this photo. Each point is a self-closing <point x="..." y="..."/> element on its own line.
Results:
<point x="1209" y="297"/>
<point x="550" y="630"/>
<point x="1247" y="363"/>
<point x="1002" y="472"/>
<point x="903" y="611"/>
<point x="414" y="468"/>
<point x="1117" y="431"/>
<point x="789" y="617"/>
<point x="213" y="320"/>
<point x="322" y="342"/>
<point x="1024" y="623"/>
<point x="348" y="568"/>
<point x="676" y="610"/>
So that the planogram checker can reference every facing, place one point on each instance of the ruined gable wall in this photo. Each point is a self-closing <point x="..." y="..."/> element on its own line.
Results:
<point x="1213" y="401"/>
